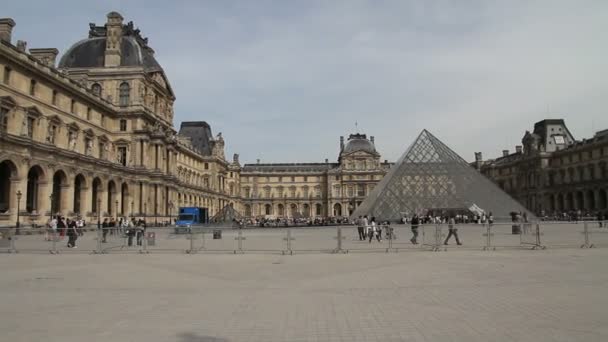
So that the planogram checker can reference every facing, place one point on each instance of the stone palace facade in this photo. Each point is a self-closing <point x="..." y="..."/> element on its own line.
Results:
<point x="552" y="171"/>
<point x="92" y="135"/>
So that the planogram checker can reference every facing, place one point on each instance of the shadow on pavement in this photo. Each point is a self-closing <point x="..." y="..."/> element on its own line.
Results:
<point x="192" y="337"/>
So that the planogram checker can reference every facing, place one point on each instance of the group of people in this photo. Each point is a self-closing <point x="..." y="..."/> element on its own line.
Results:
<point x="131" y="228"/>
<point x="60" y="226"/>
<point x="368" y="229"/>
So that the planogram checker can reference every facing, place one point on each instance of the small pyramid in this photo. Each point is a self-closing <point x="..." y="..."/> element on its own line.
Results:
<point x="226" y="217"/>
<point x="431" y="178"/>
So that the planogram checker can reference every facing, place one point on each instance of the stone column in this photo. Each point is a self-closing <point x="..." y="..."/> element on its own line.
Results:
<point x="85" y="200"/>
<point x="67" y="199"/>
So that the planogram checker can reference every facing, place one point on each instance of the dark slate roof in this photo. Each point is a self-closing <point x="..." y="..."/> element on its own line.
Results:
<point x="200" y="134"/>
<point x="90" y="52"/>
<point x="359" y="142"/>
<point x="289" y="167"/>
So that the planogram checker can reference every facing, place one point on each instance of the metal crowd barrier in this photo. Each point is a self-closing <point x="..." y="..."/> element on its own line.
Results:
<point x="294" y="240"/>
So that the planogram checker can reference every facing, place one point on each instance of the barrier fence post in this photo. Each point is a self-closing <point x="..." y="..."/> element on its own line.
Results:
<point x="54" y="242"/>
<point x="488" y="235"/>
<point x="389" y="237"/>
<point x="538" y="242"/>
<point x="288" y="240"/>
<point x="586" y="244"/>
<point x="240" y="239"/>
<point x="339" y="237"/>
<point x="99" y="237"/>
<point x="438" y="236"/>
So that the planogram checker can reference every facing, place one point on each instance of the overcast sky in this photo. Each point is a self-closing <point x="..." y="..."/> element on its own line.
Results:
<point x="284" y="79"/>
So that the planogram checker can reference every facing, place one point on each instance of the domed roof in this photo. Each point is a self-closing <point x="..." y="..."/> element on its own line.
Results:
<point x="359" y="142"/>
<point x="90" y="52"/>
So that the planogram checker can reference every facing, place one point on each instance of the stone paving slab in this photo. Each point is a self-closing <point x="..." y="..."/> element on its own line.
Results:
<point x="459" y="295"/>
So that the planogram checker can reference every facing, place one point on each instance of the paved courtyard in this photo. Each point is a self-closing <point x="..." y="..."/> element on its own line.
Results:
<point x="459" y="295"/>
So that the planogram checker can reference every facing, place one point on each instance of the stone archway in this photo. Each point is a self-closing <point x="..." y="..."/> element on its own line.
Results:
<point x="33" y="199"/>
<point x="79" y="193"/>
<point x="60" y="189"/>
<point x="337" y="209"/>
<point x="8" y="172"/>
<point x="602" y="200"/>
<point x="111" y="204"/>
<point x="96" y="191"/>
<point x="124" y="200"/>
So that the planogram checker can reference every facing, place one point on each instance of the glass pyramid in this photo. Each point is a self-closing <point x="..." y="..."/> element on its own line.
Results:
<point x="430" y="178"/>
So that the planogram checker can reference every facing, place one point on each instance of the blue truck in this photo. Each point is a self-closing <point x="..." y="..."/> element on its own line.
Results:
<point x="190" y="216"/>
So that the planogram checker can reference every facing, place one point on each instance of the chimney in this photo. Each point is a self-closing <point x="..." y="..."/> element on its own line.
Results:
<point x="518" y="149"/>
<point x="505" y="153"/>
<point x="341" y="143"/>
<point x="235" y="158"/>
<point x="326" y="160"/>
<point x="257" y="161"/>
<point x="478" y="157"/>
<point x="371" y="138"/>
<point x="21" y="45"/>
<point x="6" y="29"/>
<point x="113" y="39"/>
<point x="45" y="56"/>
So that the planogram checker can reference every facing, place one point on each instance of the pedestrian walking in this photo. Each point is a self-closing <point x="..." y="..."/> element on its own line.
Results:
<point x="452" y="230"/>
<point x="360" y="228"/>
<point x="372" y="229"/>
<point x="415" y="222"/>
<point x="52" y="229"/>
<point x="72" y="233"/>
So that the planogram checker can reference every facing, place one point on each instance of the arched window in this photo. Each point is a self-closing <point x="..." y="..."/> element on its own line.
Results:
<point x="96" y="89"/>
<point x="124" y="93"/>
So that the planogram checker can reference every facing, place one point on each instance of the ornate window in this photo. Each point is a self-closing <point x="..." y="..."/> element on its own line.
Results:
<point x="3" y="119"/>
<point x="33" y="87"/>
<point x="122" y="155"/>
<point x="123" y="125"/>
<point x="124" y="92"/>
<point x="7" y="75"/>
<point x="96" y="89"/>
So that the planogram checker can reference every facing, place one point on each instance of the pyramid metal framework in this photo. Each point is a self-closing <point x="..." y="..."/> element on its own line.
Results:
<point x="430" y="177"/>
<point x="226" y="217"/>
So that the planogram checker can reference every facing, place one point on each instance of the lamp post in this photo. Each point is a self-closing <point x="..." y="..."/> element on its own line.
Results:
<point x="131" y="209"/>
<point x="116" y="210"/>
<point x="51" y="208"/>
<point x="170" y="212"/>
<point x="145" y="211"/>
<point x="17" y="231"/>
<point x="98" y="213"/>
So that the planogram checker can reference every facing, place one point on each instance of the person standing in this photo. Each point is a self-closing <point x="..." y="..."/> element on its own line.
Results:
<point x="61" y="226"/>
<point x="452" y="231"/>
<point x="72" y="233"/>
<point x="378" y="230"/>
<point x="366" y="227"/>
<point x="52" y="233"/>
<point x="104" y="229"/>
<point x="360" y="228"/>
<point x="372" y="229"/>
<point x="415" y="222"/>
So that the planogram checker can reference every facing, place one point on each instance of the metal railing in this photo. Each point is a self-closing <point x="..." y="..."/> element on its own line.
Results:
<point x="294" y="240"/>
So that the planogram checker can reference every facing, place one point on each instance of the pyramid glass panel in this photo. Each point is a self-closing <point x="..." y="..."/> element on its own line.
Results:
<point x="431" y="178"/>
